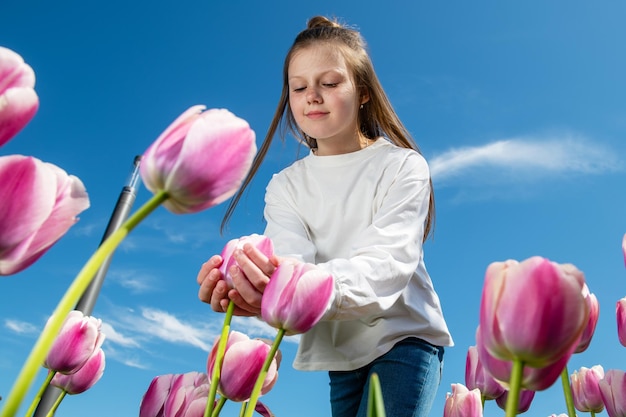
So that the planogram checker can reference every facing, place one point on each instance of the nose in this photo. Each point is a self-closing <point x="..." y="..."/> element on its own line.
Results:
<point x="313" y="95"/>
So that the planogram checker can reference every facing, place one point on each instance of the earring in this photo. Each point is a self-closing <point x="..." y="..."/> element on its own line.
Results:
<point x="361" y="107"/>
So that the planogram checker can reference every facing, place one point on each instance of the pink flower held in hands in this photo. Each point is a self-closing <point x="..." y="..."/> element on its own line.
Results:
<point x="84" y="378"/>
<point x="40" y="203"/>
<point x="296" y="297"/>
<point x="532" y="311"/>
<point x="18" y="100"/>
<point x="262" y="243"/>
<point x="613" y="392"/>
<point x="243" y="361"/>
<point x="585" y="385"/>
<point x="476" y="376"/>
<point x="463" y="402"/>
<point x="78" y="338"/>
<point x="200" y="160"/>
<point x="620" y="315"/>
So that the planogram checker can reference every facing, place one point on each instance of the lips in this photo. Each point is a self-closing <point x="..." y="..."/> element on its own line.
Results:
<point x="315" y="114"/>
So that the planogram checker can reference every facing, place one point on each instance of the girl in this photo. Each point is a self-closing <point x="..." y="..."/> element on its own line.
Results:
<point x="359" y="206"/>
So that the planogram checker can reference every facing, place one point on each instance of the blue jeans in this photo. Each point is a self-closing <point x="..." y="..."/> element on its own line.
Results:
<point x="409" y="377"/>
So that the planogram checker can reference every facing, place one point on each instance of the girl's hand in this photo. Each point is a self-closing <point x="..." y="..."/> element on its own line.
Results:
<point x="250" y="277"/>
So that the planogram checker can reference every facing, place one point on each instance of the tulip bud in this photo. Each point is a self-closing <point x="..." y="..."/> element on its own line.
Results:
<point x="463" y="402"/>
<point x="40" y="203"/>
<point x="620" y="315"/>
<point x="533" y="379"/>
<point x="78" y="338"/>
<point x="188" y="395"/>
<point x="590" y="328"/>
<point x="84" y="378"/>
<point x="153" y="400"/>
<point x="476" y="376"/>
<point x="243" y="361"/>
<point x="262" y="243"/>
<point x="586" y="389"/>
<point x="200" y="160"/>
<point x="18" y="100"/>
<point x="296" y="297"/>
<point x="525" y="400"/>
<point x="612" y="390"/>
<point x="532" y="311"/>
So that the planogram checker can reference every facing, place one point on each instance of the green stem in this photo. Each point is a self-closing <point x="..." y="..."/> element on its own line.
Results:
<point x="219" y="406"/>
<point x="54" y="407"/>
<point x="256" y="391"/>
<point x="219" y="360"/>
<point x="515" y="387"/>
<point x="37" y="398"/>
<point x="567" y="391"/>
<point x="242" y="409"/>
<point x="68" y="302"/>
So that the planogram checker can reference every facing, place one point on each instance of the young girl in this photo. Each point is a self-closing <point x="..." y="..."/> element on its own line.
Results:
<point x="359" y="206"/>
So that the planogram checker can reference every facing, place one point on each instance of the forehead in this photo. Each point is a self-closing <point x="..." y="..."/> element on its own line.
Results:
<point x="319" y="58"/>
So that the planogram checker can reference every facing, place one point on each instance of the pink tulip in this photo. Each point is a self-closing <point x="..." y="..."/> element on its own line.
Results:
<point x="39" y="204"/>
<point x="533" y="379"/>
<point x="78" y="338"/>
<point x="84" y="378"/>
<point x="586" y="389"/>
<point x="18" y="100"/>
<point x="243" y="361"/>
<point x="296" y="297"/>
<point x="463" y="402"/>
<point x="200" y="160"/>
<point x="590" y="328"/>
<point x="187" y="396"/>
<point x="262" y="243"/>
<point x="613" y="392"/>
<point x="153" y="400"/>
<point x="476" y="376"/>
<point x="620" y="313"/>
<point x="532" y="311"/>
<point x="525" y="400"/>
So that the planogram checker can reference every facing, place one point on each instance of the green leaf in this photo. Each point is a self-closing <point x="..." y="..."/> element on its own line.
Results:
<point x="375" y="403"/>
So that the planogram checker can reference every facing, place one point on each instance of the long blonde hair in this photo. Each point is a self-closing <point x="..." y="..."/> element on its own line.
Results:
<point x="376" y="118"/>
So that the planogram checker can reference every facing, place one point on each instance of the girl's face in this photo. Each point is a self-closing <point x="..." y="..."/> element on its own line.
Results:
<point x="324" y="100"/>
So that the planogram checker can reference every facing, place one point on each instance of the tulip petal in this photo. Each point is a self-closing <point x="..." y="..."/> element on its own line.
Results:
<point x="42" y="204"/>
<point x="154" y="399"/>
<point x="14" y="72"/>
<point x="84" y="378"/>
<point x="27" y="191"/>
<point x="17" y="107"/>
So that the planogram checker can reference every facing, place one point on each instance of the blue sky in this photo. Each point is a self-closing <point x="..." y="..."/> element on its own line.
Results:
<point x="518" y="106"/>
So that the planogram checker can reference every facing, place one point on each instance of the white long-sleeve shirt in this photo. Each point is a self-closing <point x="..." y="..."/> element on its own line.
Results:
<point x="359" y="216"/>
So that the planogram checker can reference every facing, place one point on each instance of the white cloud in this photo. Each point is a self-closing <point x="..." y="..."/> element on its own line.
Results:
<point x="167" y="327"/>
<point x="523" y="159"/>
<point x="20" y="327"/>
<point x="114" y="337"/>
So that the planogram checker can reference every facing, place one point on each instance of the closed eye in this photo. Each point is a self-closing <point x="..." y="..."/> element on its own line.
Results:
<point x="299" y="89"/>
<point x="331" y="85"/>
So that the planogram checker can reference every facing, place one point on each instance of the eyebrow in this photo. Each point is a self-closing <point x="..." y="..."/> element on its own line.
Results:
<point x="333" y="70"/>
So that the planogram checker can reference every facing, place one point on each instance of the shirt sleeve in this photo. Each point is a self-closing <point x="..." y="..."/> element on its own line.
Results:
<point x="386" y="254"/>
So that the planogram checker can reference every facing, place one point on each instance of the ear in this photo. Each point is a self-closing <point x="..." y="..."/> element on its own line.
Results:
<point x="365" y="95"/>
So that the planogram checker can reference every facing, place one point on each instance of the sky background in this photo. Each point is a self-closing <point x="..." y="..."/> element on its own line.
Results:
<point x="519" y="107"/>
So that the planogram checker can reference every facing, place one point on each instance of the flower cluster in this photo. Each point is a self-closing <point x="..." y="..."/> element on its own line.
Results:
<point x="199" y="161"/>
<point x="241" y="369"/>
<point x="534" y="315"/>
